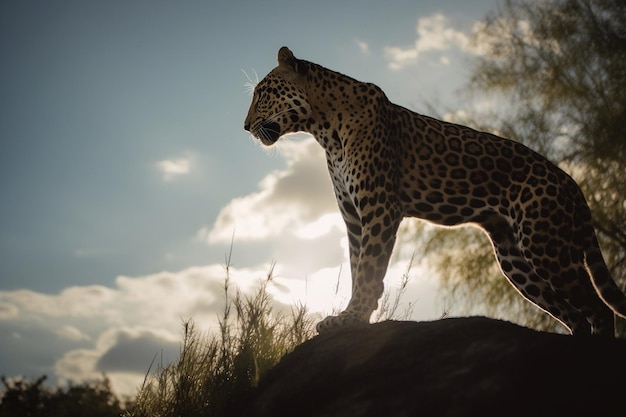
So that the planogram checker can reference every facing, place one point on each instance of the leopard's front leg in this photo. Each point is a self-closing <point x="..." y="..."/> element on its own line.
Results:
<point x="374" y="248"/>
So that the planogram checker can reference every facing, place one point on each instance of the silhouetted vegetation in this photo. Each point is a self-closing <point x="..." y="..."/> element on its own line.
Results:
<point x="24" y="398"/>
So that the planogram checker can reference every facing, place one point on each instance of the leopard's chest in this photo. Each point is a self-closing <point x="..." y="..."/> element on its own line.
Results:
<point x="338" y="168"/>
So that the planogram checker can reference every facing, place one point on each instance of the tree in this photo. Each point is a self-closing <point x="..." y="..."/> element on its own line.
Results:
<point x="557" y="71"/>
<point x="25" y="398"/>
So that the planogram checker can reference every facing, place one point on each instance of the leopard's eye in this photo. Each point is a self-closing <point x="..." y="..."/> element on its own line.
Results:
<point x="263" y="98"/>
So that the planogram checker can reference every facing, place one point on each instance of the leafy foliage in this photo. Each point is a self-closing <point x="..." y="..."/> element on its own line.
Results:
<point x="23" y="398"/>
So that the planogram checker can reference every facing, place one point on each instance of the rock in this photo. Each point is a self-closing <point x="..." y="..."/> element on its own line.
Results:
<point x="450" y="367"/>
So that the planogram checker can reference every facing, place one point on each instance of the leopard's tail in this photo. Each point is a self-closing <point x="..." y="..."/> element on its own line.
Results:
<point x="601" y="277"/>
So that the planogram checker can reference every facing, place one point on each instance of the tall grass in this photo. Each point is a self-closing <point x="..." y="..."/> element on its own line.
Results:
<point x="215" y="371"/>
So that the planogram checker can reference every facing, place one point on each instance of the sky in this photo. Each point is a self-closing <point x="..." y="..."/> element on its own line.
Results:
<point x="125" y="172"/>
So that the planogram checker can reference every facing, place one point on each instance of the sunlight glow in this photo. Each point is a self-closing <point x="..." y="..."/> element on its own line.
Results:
<point x="320" y="226"/>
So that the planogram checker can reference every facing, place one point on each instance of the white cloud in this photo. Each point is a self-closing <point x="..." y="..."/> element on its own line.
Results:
<point x="72" y="333"/>
<point x="71" y="302"/>
<point x="8" y="311"/>
<point x="77" y="365"/>
<point x="363" y="46"/>
<point x="287" y="200"/>
<point x="400" y="57"/>
<point x="293" y="215"/>
<point x="434" y="33"/>
<point x="173" y="168"/>
<point x="321" y="226"/>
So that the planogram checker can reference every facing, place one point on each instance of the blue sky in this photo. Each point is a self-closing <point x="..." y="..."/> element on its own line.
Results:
<point x="125" y="170"/>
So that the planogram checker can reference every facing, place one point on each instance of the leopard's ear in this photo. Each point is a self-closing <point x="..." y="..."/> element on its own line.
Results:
<point x="286" y="59"/>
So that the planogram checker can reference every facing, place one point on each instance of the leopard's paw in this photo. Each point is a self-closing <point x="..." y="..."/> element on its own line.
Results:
<point x="344" y="319"/>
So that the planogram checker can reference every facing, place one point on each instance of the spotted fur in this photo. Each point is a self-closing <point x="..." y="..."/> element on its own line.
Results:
<point x="387" y="162"/>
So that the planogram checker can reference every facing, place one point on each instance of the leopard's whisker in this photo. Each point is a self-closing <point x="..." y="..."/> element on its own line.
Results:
<point x="251" y="84"/>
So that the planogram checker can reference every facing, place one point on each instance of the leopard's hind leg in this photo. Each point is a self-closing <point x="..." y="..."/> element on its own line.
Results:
<point x="555" y="252"/>
<point x="528" y="283"/>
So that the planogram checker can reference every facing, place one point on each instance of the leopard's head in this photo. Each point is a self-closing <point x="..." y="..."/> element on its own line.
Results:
<point x="279" y="105"/>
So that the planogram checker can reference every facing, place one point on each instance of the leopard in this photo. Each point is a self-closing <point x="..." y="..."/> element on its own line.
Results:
<point x="387" y="162"/>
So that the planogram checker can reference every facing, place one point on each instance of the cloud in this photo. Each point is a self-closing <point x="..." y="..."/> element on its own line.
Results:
<point x="321" y="226"/>
<point x="287" y="200"/>
<point x="71" y="302"/>
<point x="8" y="311"/>
<point x="72" y="333"/>
<point x="434" y="33"/>
<point x="293" y="217"/>
<point x="173" y="168"/>
<point x="363" y="46"/>
<point x="127" y="350"/>
<point x="124" y="354"/>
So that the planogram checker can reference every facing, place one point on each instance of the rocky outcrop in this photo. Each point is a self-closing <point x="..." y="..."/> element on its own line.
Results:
<point x="451" y="367"/>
